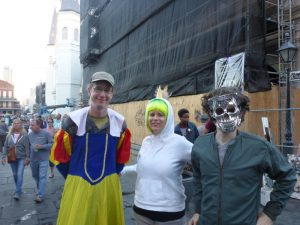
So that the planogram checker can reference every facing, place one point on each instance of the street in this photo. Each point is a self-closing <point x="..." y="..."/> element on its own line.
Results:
<point x="27" y="212"/>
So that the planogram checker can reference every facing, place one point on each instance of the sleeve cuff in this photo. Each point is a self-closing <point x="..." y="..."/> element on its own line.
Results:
<point x="272" y="210"/>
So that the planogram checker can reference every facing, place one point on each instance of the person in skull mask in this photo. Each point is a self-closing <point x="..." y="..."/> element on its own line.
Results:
<point x="228" y="166"/>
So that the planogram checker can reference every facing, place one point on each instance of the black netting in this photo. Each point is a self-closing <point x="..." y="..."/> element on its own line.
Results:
<point x="145" y="43"/>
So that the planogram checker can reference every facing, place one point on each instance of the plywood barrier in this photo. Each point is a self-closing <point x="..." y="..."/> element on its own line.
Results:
<point x="135" y="113"/>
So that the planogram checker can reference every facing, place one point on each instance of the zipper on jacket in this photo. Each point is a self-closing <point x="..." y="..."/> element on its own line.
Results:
<point x="221" y="183"/>
<point x="220" y="194"/>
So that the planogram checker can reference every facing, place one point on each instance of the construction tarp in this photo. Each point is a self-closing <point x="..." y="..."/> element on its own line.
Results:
<point x="146" y="43"/>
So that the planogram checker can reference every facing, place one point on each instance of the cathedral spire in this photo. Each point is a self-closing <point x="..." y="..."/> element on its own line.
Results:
<point x="52" y="35"/>
<point x="70" y="5"/>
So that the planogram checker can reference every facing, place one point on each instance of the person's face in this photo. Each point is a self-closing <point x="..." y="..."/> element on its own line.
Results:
<point x="50" y="123"/>
<point x="34" y="127"/>
<point x="157" y="121"/>
<point x="17" y="125"/>
<point x="101" y="94"/>
<point x="185" y="118"/>
<point x="58" y="116"/>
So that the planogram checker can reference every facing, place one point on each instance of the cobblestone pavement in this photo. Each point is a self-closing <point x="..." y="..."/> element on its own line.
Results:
<point x="27" y="212"/>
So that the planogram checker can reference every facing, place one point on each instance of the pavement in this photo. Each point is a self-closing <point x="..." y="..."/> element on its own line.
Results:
<point x="27" y="212"/>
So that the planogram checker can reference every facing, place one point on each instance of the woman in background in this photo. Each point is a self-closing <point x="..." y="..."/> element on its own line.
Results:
<point x="17" y="136"/>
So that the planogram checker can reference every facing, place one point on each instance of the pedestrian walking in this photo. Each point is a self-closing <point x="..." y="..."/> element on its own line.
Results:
<point x="40" y="145"/>
<point x="51" y="130"/>
<point x="3" y="132"/>
<point x="228" y="167"/>
<point x="90" y="151"/>
<point x="57" y="121"/>
<point x="17" y="143"/>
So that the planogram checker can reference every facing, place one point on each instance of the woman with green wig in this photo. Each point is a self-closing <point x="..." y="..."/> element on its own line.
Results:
<point x="159" y="193"/>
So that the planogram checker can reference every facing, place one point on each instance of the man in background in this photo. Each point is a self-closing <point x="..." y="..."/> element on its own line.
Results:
<point x="57" y="122"/>
<point x="185" y="127"/>
<point x="3" y="132"/>
<point x="40" y="146"/>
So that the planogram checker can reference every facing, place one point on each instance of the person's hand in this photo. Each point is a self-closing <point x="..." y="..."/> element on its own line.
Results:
<point x="194" y="220"/>
<point x="39" y="146"/>
<point x="4" y="161"/>
<point x="263" y="219"/>
<point x="26" y="162"/>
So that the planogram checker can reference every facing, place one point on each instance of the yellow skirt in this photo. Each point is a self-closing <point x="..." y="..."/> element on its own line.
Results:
<point x="86" y="204"/>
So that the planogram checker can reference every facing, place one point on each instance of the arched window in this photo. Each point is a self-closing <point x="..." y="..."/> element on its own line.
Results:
<point x="65" y="33"/>
<point x="76" y="34"/>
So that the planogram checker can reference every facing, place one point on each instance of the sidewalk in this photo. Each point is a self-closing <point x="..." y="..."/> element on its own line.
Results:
<point x="27" y="212"/>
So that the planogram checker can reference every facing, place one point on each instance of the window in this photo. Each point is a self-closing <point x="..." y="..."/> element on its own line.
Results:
<point x="65" y="33"/>
<point x="76" y="35"/>
<point x="4" y="94"/>
<point x="10" y="94"/>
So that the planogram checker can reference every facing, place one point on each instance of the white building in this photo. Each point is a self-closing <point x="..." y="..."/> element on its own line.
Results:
<point x="64" y="69"/>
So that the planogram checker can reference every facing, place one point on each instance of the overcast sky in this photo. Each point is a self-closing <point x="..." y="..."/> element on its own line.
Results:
<point x="25" y="27"/>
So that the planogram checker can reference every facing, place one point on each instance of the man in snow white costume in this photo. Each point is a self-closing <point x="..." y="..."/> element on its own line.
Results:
<point x="90" y="151"/>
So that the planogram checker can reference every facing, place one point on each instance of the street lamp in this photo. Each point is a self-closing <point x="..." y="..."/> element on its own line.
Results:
<point x="287" y="52"/>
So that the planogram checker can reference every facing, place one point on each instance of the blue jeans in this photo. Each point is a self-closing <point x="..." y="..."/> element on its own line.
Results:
<point x="18" y="171"/>
<point x="39" y="170"/>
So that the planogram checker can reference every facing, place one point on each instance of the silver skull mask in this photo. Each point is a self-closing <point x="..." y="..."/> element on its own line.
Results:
<point x="226" y="112"/>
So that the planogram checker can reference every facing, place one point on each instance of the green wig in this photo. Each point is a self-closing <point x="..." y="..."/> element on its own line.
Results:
<point x="156" y="104"/>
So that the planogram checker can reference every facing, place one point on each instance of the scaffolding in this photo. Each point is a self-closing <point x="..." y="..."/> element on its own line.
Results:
<point x="280" y="29"/>
<point x="286" y="32"/>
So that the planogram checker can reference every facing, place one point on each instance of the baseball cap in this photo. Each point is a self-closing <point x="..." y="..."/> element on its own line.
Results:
<point x="98" y="76"/>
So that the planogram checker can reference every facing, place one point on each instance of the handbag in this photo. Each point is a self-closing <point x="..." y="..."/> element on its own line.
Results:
<point x="11" y="155"/>
<point x="11" y="152"/>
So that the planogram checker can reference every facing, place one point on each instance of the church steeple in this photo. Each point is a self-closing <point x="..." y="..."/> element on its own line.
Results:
<point x="70" y="5"/>
<point x="52" y="35"/>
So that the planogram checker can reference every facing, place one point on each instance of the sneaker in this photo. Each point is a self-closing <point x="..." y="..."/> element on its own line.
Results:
<point x="16" y="197"/>
<point x="51" y="175"/>
<point x="38" y="199"/>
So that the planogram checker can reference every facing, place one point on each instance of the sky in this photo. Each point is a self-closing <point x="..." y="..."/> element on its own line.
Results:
<point x="25" y="27"/>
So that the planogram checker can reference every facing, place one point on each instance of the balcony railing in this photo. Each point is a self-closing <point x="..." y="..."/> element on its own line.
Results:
<point x="10" y="107"/>
<point x="7" y="99"/>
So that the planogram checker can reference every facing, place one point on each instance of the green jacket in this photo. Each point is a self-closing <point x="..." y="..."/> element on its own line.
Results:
<point x="229" y="194"/>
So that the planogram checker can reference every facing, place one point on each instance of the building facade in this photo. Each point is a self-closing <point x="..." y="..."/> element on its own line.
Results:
<point x="8" y="104"/>
<point x="63" y="82"/>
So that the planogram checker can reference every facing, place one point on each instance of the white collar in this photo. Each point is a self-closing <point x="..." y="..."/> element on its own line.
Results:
<point x="116" y="121"/>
